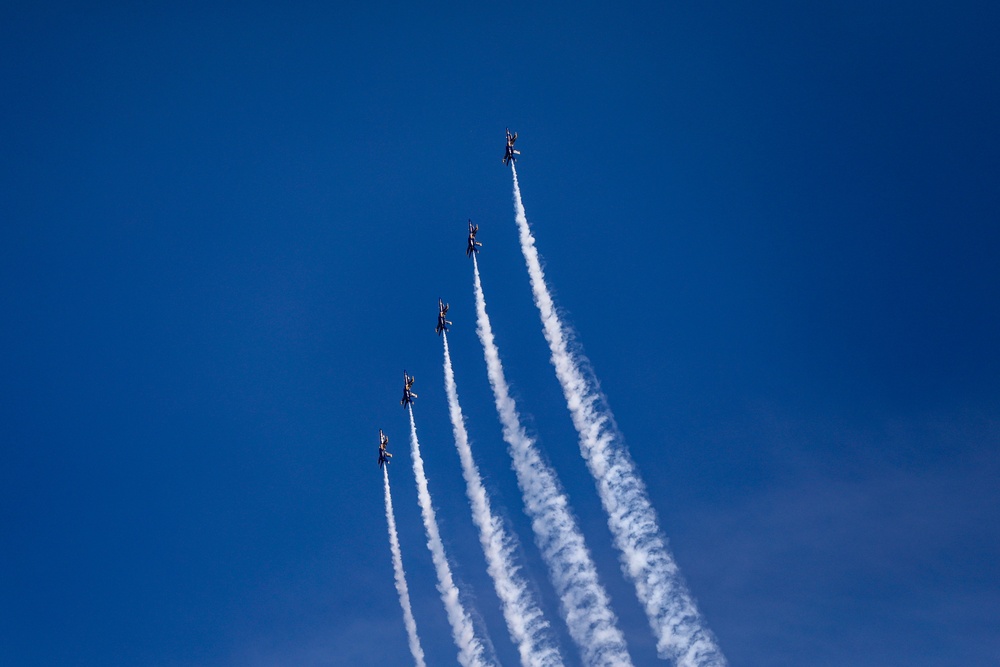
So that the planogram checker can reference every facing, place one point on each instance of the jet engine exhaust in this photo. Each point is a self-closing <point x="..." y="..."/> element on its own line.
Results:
<point x="645" y="558"/>
<point x="470" y="648"/>
<point x="401" y="587"/>
<point x="584" y="604"/>
<point x="525" y="621"/>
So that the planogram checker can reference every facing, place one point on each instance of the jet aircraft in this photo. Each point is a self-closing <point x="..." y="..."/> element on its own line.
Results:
<point x="442" y="324"/>
<point x="383" y="455"/>
<point x="408" y="395"/>
<point x="473" y="246"/>
<point x="509" y="154"/>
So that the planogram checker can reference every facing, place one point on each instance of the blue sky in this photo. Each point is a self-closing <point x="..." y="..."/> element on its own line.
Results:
<point x="225" y="229"/>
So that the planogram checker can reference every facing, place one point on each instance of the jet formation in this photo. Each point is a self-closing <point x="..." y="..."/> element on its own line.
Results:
<point x="472" y="248"/>
<point x="631" y="518"/>
<point x="509" y="154"/>
<point x="383" y="455"/>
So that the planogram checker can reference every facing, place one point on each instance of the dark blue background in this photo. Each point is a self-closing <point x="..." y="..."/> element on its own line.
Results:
<point x="225" y="228"/>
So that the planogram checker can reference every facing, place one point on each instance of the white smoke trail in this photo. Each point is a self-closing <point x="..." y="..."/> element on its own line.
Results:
<point x="527" y="626"/>
<point x="470" y="649"/>
<point x="584" y="603"/>
<point x="645" y="558"/>
<point x="401" y="587"/>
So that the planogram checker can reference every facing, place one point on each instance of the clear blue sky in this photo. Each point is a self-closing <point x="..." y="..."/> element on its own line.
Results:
<point x="225" y="227"/>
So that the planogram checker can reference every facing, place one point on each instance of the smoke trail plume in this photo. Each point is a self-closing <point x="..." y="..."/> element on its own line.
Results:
<point x="681" y="635"/>
<point x="527" y="626"/>
<point x="401" y="587"/>
<point x="470" y="649"/>
<point x="583" y="601"/>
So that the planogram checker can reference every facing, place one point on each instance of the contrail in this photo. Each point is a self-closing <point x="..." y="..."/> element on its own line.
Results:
<point x="470" y="649"/>
<point x="401" y="587"/>
<point x="681" y="635"/>
<point x="583" y="601"/>
<point x="527" y="626"/>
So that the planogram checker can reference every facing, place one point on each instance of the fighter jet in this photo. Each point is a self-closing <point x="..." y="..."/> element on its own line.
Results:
<point x="383" y="455"/>
<point x="473" y="246"/>
<point x="509" y="154"/>
<point x="408" y="395"/>
<point x="442" y="324"/>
